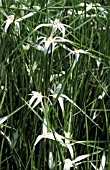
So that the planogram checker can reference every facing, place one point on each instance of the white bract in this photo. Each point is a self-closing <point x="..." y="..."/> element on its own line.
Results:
<point x="60" y="99"/>
<point x="56" y="25"/>
<point x="103" y="162"/>
<point x="3" y="119"/>
<point x="51" y="162"/>
<point x="36" y="97"/>
<point x="68" y="163"/>
<point x="49" y="135"/>
<point x="96" y="7"/>
<point x="102" y="11"/>
<point x="48" y="44"/>
<point x="12" y="19"/>
<point x="88" y="6"/>
<point x="67" y="142"/>
<point x="58" y="88"/>
<point x="76" y="53"/>
<point x="52" y="136"/>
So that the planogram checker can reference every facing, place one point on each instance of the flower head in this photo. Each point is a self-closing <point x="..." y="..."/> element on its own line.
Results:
<point x="95" y="7"/>
<point x="37" y="97"/>
<point x="52" y="136"/>
<point x="56" y="24"/>
<point x="49" y="44"/>
<point x="68" y="164"/>
<point x="76" y="53"/>
<point x="50" y="41"/>
<point x="12" y="19"/>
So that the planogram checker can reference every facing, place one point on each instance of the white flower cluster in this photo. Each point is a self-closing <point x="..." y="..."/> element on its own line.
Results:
<point x="96" y="9"/>
<point x="47" y="133"/>
<point x="48" y="45"/>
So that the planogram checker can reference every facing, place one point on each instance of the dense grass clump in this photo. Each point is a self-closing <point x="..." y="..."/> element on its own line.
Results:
<point x="54" y="85"/>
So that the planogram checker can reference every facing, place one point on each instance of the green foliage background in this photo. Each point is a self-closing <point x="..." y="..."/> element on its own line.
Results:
<point x="83" y="84"/>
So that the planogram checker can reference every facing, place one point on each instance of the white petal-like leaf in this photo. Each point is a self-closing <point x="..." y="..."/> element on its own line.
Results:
<point x="38" y="139"/>
<point x="80" y="158"/>
<point x="46" y="47"/>
<point x="62" y="29"/>
<point x="69" y="146"/>
<point x="51" y="163"/>
<point x="39" y="47"/>
<point x="68" y="164"/>
<point x="3" y="119"/>
<point x="26" y="16"/>
<point x="37" y="102"/>
<point x="58" y="88"/>
<point x="8" y="22"/>
<point x="32" y="100"/>
<point x="103" y="161"/>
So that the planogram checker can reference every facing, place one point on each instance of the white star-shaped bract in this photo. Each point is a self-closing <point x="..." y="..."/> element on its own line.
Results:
<point x="12" y="19"/>
<point x="48" y="45"/>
